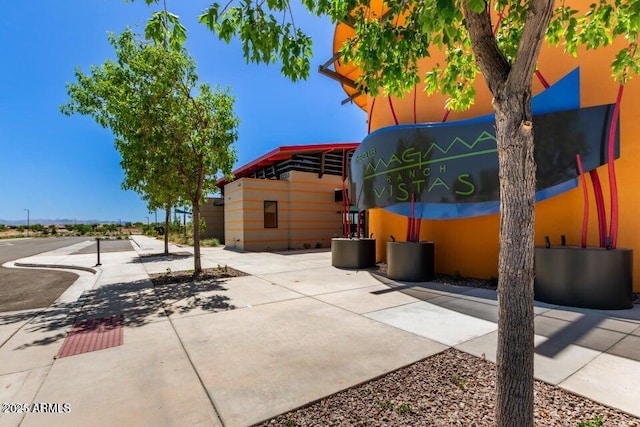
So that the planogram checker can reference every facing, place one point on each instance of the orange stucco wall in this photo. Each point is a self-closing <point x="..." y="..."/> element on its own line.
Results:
<point x="470" y="245"/>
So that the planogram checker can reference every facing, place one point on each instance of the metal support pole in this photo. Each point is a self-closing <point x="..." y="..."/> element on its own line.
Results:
<point x="98" y="242"/>
<point x="27" y="221"/>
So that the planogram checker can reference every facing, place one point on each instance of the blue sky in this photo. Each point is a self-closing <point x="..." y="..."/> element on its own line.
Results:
<point x="67" y="167"/>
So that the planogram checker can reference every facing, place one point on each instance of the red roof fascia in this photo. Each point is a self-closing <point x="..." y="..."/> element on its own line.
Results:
<point x="285" y="152"/>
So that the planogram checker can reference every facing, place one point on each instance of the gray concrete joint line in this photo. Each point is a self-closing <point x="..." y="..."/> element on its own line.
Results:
<point x="48" y="368"/>
<point x="582" y="366"/>
<point x="21" y="327"/>
<point x="313" y="402"/>
<point x="193" y="366"/>
<point x="278" y="284"/>
<point x="575" y="393"/>
<point x="246" y="307"/>
<point x="590" y="398"/>
<point x="295" y="271"/>
<point x="395" y="306"/>
<point x="305" y="295"/>
<point x="345" y="290"/>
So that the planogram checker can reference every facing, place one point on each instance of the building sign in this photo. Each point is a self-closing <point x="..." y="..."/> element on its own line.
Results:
<point x="451" y="169"/>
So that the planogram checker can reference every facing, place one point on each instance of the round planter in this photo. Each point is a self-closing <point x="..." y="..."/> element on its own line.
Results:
<point x="353" y="253"/>
<point x="584" y="277"/>
<point x="410" y="261"/>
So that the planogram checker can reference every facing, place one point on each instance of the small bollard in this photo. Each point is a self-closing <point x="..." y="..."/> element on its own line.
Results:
<point x="98" y="240"/>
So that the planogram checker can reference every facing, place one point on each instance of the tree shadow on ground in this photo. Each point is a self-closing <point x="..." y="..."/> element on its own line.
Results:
<point x="158" y="257"/>
<point x="141" y="302"/>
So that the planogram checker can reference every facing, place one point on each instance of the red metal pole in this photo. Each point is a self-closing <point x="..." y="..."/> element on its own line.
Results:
<point x="415" y="96"/>
<point x="393" y="111"/>
<point x="344" y="198"/>
<point x="602" y="214"/>
<point x="613" y="185"/>
<point x="373" y="104"/>
<point x="585" y="193"/>
<point x="542" y="79"/>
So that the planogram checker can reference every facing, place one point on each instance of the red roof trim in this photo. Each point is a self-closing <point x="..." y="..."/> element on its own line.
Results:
<point x="285" y="152"/>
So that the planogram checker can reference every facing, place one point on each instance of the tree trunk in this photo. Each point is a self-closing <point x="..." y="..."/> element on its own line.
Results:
<point x="510" y="84"/>
<point x="514" y="382"/>
<point x="197" y="266"/>
<point x="167" y="219"/>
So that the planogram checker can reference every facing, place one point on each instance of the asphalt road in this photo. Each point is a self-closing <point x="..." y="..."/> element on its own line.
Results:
<point x="107" y="246"/>
<point x="12" y="249"/>
<point x="22" y="289"/>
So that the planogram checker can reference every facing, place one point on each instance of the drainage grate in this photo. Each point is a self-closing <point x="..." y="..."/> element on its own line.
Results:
<point x="93" y="334"/>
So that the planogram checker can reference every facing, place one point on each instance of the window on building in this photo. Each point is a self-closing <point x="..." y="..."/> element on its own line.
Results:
<point x="270" y="214"/>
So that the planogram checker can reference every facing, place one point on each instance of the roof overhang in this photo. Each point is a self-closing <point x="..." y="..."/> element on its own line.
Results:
<point x="285" y="153"/>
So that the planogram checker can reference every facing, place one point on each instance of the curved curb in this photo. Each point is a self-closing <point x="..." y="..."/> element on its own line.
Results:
<point x="72" y="267"/>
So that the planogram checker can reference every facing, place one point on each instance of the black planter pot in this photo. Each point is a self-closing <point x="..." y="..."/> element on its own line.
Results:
<point x="410" y="261"/>
<point x="353" y="253"/>
<point x="584" y="277"/>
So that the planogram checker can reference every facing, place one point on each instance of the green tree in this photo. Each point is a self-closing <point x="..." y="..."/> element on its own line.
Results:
<point x="174" y="134"/>
<point x="82" y="229"/>
<point x="37" y="227"/>
<point x="387" y="48"/>
<point x="135" y="99"/>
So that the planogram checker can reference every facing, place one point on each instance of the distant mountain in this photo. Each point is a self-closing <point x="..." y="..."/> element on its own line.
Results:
<point x="55" y="221"/>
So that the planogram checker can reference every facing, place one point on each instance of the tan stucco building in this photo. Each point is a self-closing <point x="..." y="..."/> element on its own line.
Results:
<point x="290" y="198"/>
<point x="213" y="214"/>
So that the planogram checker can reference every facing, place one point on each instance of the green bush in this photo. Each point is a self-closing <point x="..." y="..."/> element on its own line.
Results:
<point x="405" y="408"/>
<point x="592" y="422"/>
<point x="210" y="242"/>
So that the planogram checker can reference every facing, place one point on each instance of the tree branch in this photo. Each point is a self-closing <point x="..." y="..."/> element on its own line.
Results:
<point x="493" y="64"/>
<point x="538" y="16"/>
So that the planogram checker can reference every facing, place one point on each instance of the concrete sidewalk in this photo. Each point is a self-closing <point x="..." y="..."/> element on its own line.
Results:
<point x="293" y="331"/>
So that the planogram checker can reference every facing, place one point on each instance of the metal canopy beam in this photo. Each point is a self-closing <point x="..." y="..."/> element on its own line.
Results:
<point x="338" y="77"/>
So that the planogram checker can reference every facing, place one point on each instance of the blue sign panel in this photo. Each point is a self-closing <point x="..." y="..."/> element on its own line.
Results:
<point x="451" y="169"/>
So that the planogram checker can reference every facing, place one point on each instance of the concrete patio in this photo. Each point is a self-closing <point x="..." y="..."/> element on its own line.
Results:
<point x="293" y="331"/>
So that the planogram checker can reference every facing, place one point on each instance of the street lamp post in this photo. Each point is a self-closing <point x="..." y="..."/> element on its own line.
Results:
<point x="147" y="223"/>
<point x="27" y="220"/>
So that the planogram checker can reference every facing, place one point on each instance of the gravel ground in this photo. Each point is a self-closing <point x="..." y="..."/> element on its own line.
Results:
<point x="451" y="388"/>
<point x="207" y="277"/>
